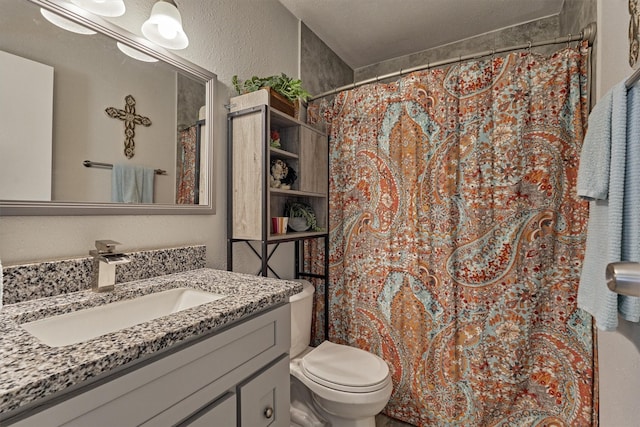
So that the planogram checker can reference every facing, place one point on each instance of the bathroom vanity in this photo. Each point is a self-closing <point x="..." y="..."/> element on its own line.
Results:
<point x="225" y="360"/>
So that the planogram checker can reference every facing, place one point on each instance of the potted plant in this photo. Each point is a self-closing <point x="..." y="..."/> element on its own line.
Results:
<point x="301" y="216"/>
<point x="284" y="91"/>
<point x="286" y="86"/>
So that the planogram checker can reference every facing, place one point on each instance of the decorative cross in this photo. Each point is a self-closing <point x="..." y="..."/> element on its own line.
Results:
<point x="131" y="119"/>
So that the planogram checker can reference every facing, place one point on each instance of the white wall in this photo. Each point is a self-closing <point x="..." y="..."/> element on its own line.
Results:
<point x="81" y="98"/>
<point x="619" y="352"/>
<point x="243" y="37"/>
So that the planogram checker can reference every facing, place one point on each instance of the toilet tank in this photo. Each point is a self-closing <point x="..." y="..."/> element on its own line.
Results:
<point x="301" y="310"/>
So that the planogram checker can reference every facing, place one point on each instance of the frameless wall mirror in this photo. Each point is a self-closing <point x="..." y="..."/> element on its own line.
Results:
<point x="86" y="129"/>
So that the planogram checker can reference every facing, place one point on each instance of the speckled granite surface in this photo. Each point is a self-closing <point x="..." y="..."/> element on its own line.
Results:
<point x="44" y="279"/>
<point x="30" y="370"/>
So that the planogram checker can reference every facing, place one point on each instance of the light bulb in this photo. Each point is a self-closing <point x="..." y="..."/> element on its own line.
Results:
<point x="110" y="8"/>
<point x="167" y="30"/>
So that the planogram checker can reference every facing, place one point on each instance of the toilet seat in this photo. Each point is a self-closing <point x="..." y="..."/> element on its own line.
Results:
<point x="345" y="368"/>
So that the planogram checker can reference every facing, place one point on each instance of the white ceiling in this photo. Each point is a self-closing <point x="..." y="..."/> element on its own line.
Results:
<point x="365" y="32"/>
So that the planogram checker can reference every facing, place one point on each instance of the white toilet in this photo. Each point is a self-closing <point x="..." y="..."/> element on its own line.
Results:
<point x="344" y="385"/>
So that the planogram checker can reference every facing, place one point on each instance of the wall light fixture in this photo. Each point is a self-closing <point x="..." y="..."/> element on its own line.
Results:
<point x="164" y="26"/>
<point x="64" y="23"/>
<point x="102" y="7"/>
<point x="134" y="53"/>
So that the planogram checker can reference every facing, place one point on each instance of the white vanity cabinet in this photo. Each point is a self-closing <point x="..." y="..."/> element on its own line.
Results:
<point x="236" y="377"/>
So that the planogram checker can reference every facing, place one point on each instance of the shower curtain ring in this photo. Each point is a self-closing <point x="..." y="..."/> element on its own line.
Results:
<point x="568" y="39"/>
<point x="529" y="47"/>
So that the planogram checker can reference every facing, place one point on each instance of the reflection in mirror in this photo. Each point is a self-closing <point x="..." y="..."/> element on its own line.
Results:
<point x="66" y="98"/>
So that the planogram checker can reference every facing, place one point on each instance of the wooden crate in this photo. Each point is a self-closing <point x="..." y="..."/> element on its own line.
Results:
<point x="282" y="103"/>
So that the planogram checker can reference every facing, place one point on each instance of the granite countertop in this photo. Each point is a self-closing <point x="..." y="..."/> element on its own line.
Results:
<point x="31" y="370"/>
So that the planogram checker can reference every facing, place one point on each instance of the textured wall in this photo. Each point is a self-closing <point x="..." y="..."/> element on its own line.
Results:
<point x="537" y="30"/>
<point x="191" y="96"/>
<point x="227" y="37"/>
<point x="576" y="14"/>
<point x="320" y="68"/>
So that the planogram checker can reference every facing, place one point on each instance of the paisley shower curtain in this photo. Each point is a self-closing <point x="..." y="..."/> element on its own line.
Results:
<point x="186" y="176"/>
<point x="457" y="238"/>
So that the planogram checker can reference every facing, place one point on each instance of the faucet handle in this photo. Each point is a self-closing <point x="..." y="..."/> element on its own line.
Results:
<point x="106" y="245"/>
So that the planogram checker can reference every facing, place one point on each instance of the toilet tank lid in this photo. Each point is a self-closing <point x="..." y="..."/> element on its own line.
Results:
<point x="307" y="291"/>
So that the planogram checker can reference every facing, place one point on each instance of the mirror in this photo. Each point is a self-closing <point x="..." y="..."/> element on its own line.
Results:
<point x="67" y="109"/>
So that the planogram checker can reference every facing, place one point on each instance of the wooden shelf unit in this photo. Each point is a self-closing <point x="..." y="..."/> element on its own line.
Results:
<point x="251" y="202"/>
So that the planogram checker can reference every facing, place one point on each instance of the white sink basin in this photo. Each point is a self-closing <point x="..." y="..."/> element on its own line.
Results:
<point x="83" y="325"/>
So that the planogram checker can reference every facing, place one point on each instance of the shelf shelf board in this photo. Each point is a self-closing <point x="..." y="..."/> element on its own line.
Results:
<point x="282" y="119"/>
<point x="296" y="235"/>
<point x="278" y="118"/>
<point x="283" y="153"/>
<point x="295" y="193"/>
<point x="287" y="237"/>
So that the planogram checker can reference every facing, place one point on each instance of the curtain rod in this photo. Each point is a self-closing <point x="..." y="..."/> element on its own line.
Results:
<point x="588" y="33"/>
<point x="90" y="164"/>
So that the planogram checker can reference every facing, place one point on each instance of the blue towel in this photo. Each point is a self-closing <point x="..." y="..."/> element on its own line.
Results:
<point x="595" y="157"/>
<point x="603" y="183"/>
<point x="132" y="184"/>
<point x="629" y="307"/>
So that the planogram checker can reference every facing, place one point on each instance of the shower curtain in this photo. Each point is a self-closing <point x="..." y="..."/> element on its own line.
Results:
<point x="457" y="238"/>
<point x="186" y="167"/>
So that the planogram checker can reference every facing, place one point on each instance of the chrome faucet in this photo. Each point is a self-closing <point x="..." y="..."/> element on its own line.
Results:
<point x="105" y="259"/>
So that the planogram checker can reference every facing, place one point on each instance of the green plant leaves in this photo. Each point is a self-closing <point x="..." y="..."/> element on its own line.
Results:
<point x="303" y="210"/>
<point x="286" y="86"/>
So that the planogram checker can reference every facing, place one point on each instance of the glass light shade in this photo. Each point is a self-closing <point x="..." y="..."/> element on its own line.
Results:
<point x="134" y="53"/>
<point x="164" y="26"/>
<point x="64" y="23"/>
<point x="102" y="7"/>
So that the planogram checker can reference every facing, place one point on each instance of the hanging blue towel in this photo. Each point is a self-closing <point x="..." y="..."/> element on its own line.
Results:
<point x="629" y="307"/>
<point x="132" y="184"/>
<point x="604" y="184"/>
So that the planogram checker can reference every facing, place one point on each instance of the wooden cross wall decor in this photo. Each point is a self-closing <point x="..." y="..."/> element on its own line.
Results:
<point x="131" y="119"/>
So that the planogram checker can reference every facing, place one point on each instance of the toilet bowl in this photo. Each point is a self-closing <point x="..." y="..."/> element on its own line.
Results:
<point x="348" y="386"/>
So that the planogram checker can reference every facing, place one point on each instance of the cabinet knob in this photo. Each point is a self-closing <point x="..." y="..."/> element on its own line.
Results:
<point x="268" y="413"/>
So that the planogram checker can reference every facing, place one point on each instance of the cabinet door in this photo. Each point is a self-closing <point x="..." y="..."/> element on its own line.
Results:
<point x="264" y="399"/>
<point x="221" y="413"/>
<point x="314" y="161"/>
<point x="248" y="169"/>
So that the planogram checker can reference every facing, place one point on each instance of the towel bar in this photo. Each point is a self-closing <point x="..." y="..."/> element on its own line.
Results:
<point x="89" y="164"/>
<point x="624" y="278"/>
